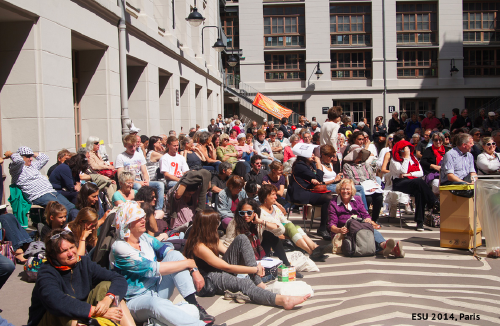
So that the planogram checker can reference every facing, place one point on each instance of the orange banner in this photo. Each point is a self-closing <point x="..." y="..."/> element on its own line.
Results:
<point x="269" y="106"/>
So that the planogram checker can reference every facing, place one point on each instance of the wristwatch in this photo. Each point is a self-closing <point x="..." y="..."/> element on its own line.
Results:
<point x="195" y="269"/>
<point x="112" y="297"/>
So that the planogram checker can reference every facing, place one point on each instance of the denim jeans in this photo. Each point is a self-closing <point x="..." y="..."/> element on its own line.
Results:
<point x="160" y="191"/>
<point x="214" y="164"/>
<point x="14" y="231"/>
<point x="378" y="240"/>
<point x="155" y="303"/>
<point x="54" y="196"/>
<point x="7" y="267"/>
<point x="360" y="191"/>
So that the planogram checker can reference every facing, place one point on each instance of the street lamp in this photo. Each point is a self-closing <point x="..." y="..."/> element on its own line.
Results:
<point x="218" y="45"/>
<point x="452" y="67"/>
<point x="232" y="61"/>
<point x="195" y="18"/>
<point x="318" y="72"/>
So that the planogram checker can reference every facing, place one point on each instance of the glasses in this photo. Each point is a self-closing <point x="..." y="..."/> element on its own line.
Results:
<point x="258" y="163"/>
<point x="491" y="144"/>
<point x="245" y="213"/>
<point x="437" y="140"/>
<point x="390" y="139"/>
<point x="58" y="235"/>
<point x="28" y="155"/>
<point x="96" y="143"/>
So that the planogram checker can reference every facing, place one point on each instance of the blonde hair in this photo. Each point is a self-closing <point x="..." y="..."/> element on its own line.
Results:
<point x="77" y="226"/>
<point x="342" y="182"/>
<point x="223" y="136"/>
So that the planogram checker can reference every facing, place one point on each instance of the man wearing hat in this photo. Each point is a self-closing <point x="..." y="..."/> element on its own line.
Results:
<point x="36" y="188"/>
<point x="490" y="123"/>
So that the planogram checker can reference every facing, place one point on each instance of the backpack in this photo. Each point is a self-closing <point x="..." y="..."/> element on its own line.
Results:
<point x="359" y="240"/>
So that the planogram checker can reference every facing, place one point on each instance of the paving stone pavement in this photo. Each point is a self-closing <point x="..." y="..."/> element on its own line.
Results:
<point x="438" y="285"/>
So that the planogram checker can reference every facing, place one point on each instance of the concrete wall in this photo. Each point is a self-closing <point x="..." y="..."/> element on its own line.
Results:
<point x="43" y="44"/>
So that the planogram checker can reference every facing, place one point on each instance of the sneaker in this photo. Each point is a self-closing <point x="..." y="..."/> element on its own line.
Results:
<point x="238" y="297"/>
<point x="420" y="227"/>
<point x="398" y="251"/>
<point x="389" y="246"/>
<point x="268" y="278"/>
<point x="204" y="315"/>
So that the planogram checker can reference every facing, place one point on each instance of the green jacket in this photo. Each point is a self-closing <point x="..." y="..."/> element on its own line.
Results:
<point x="20" y="206"/>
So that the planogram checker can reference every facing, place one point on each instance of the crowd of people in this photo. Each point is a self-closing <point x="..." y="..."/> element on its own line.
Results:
<point x="192" y="211"/>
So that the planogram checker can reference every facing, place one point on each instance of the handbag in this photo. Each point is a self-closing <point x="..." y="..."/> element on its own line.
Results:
<point x="107" y="173"/>
<point x="6" y="248"/>
<point x="317" y="189"/>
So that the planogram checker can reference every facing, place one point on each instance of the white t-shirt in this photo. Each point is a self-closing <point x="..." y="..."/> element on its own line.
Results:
<point x="131" y="163"/>
<point x="174" y="165"/>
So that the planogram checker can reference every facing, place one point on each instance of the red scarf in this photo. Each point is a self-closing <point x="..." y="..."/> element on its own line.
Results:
<point x="59" y="266"/>
<point x="438" y="152"/>
<point x="413" y="166"/>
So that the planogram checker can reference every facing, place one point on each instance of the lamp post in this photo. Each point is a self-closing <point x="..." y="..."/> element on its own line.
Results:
<point x="195" y="18"/>
<point x="452" y="67"/>
<point x="317" y="71"/>
<point x="218" y="45"/>
<point x="232" y="61"/>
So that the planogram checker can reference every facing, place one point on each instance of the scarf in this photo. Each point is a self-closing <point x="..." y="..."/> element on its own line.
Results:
<point x="257" y="247"/>
<point x="61" y="268"/>
<point x="438" y="152"/>
<point x="127" y="213"/>
<point x="413" y="166"/>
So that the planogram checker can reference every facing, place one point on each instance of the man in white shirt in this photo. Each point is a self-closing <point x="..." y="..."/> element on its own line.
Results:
<point x="330" y="129"/>
<point x="172" y="164"/>
<point x="134" y="161"/>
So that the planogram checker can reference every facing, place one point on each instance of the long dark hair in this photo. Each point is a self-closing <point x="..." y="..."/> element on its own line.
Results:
<point x="204" y="230"/>
<point x="145" y="194"/>
<point x="77" y="163"/>
<point x="152" y="141"/>
<point x="83" y="196"/>
<point x="242" y="227"/>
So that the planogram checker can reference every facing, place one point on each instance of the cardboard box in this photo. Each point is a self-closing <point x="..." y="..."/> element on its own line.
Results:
<point x="457" y="222"/>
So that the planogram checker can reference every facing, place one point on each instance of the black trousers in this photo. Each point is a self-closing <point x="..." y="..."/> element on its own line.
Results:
<point x="324" y="201"/>
<point x="377" y="200"/>
<point x="418" y="189"/>
<point x="270" y="241"/>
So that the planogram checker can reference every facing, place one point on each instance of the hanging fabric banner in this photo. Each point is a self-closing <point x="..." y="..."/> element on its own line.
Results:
<point x="269" y="106"/>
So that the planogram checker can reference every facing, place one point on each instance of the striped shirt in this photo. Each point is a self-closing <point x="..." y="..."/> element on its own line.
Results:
<point x="32" y="183"/>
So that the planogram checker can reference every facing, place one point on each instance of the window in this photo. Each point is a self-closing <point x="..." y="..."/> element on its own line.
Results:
<point x="351" y="64"/>
<point x="290" y="66"/>
<point x="416" y="23"/>
<point x="474" y="104"/>
<point x="417" y="63"/>
<point x="232" y="76"/>
<point x="417" y="106"/>
<point x="481" y="62"/>
<point x="230" y="26"/>
<point x="356" y="110"/>
<point x="481" y="22"/>
<point x="284" y="27"/>
<point x="350" y="25"/>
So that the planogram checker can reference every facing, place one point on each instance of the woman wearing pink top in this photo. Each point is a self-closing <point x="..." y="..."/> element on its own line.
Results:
<point x="288" y="154"/>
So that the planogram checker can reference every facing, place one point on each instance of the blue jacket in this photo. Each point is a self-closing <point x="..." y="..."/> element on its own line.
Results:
<point x="62" y="177"/>
<point x="224" y="202"/>
<point x="64" y="293"/>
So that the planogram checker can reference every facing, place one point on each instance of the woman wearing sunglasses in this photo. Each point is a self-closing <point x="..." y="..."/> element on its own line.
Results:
<point x="488" y="162"/>
<point x="431" y="161"/>
<point x="204" y="246"/>
<point x="71" y="287"/>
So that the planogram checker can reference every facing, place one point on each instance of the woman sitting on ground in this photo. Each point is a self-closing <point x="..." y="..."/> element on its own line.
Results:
<point x="431" y="161"/>
<point x="126" y="192"/>
<point x="343" y="206"/>
<point x="84" y="227"/>
<point x="88" y="196"/>
<point x="406" y="173"/>
<point x="488" y="162"/>
<point x="229" y="198"/>
<point x="153" y="270"/>
<point x="204" y="247"/>
<point x="271" y="214"/>
<point x="55" y="216"/>
<point x="70" y="287"/>
<point x="226" y="151"/>
<point x="306" y="173"/>
<point x="267" y="233"/>
<point x="277" y="179"/>
<point x="359" y="170"/>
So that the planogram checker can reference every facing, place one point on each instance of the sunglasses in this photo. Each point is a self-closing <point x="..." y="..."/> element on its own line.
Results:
<point x="390" y="139"/>
<point x="28" y="156"/>
<point x="438" y="140"/>
<point x="96" y="143"/>
<point x="58" y="235"/>
<point x="258" y="163"/>
<point x="245" y="213"/>
<point x="491" y="144"/>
